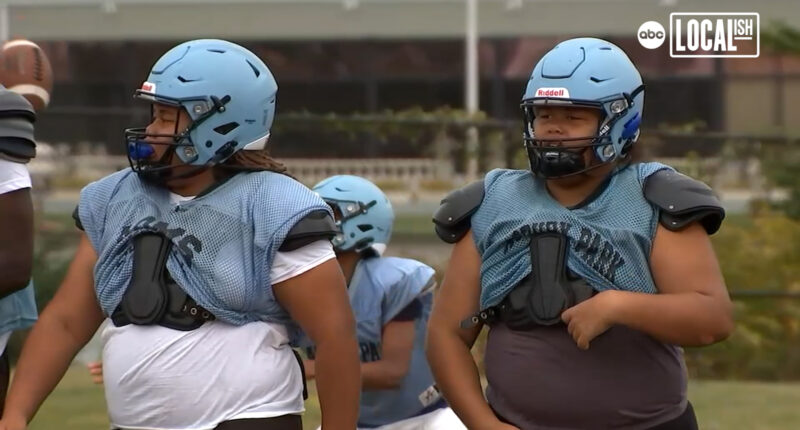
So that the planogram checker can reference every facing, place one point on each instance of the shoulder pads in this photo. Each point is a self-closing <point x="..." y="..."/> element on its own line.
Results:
<point x="317" y="225"/>
<point x="683" y="200"/>
<point x="452" y="219"/>
<point x="76" y="216"/>
<point x="16" y="127"/>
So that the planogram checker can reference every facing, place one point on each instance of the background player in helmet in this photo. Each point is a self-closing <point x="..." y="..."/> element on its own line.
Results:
<point x="589" y="269"/>
<point x="391" y="299"/>
<point x="202" y="255"/>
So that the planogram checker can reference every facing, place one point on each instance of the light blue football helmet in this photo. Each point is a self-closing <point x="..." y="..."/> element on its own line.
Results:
<point x="228" y="92"/>
<point x="584" y="72"/>
<point x="365" y="214"/>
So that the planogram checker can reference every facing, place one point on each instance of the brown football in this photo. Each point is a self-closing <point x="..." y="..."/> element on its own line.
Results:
<point x="26" y="70"/>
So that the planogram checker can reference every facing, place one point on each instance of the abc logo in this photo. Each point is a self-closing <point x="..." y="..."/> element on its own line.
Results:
<point x="651" y="35"/>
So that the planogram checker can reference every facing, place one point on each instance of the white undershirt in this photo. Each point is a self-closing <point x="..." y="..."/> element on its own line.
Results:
<point x="13" y="176"/>
<point x="159" y="378"/>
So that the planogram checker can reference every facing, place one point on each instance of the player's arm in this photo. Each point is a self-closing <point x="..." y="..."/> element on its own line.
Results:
<point x="397" y="343"/>
<point x="387" y="373"/>
<point x="332" y="330"/>
<point x="448" y="345"/>
<point x="63" y="328"/>
<point x="693" y="306"/>
<point x="17" y="147"/>
<point x="16" y="237"/>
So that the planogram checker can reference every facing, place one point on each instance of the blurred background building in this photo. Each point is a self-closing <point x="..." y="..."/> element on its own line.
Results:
<point x="368" y="56"/>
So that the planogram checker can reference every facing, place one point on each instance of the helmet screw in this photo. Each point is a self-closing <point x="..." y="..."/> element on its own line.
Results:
<point x="189" y="152"/>
<point x="618" y="106"/>
<point x="198" y="109"/>
<point x="209" y="144"/>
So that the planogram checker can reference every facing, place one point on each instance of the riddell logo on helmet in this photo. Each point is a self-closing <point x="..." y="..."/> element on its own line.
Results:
<point x="553" y="92"/>
<point x="149" y="87"/>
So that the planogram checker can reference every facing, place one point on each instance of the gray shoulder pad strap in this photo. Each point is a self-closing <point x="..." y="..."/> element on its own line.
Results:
<point x="317" y="225"/>
<point x="452" y="219"/>
<point x="683" y="200"/>
<point x="16" y="127"/>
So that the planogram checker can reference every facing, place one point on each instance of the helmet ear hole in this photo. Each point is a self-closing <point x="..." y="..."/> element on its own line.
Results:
<point x="364" y="227"/>
<point x="626" y="148"/>
<point x="627" y="145"/>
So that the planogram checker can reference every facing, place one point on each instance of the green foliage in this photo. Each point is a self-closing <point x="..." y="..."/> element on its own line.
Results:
<point x="759" y="254"/>
<point x="390" y="133"/>
<point x="781" y="38"/>
<point x="694" y="167"/>
<point x="781" y="165"/>
<point x="782" y="169"/>
<point x="56" y="240"/>
<point x="413" y="133"/>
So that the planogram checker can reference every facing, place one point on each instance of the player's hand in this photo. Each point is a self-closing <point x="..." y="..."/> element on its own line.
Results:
<point x="96" y="370"/>
<point x="591" y="318"/>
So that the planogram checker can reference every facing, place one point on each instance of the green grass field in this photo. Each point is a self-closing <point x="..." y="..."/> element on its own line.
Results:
<point x="77" y="404"/>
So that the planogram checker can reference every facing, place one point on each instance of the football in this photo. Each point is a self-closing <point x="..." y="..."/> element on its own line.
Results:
<point x="26" y="70"/>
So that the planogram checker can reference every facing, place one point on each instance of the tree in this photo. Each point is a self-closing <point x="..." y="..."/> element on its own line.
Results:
<point x="781" y="164"/>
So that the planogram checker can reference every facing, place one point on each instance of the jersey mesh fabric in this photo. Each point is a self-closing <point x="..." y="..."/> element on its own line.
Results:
<point x="609" y="238"/>
<point x="223" y="242"/>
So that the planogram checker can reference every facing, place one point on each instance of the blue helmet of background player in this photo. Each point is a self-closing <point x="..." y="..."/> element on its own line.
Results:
<point x="365" y="215"/>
